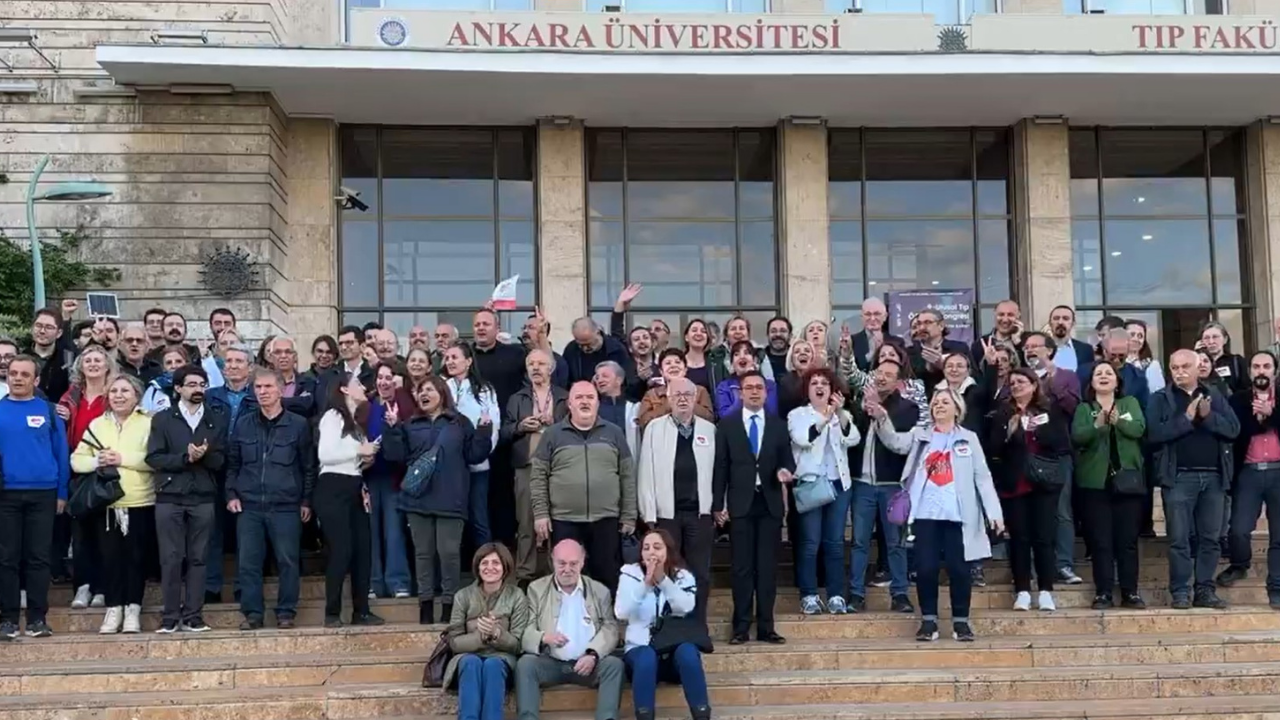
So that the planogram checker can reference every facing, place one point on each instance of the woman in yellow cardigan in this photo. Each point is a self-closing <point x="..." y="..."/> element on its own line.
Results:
<point x="119" y="439"/>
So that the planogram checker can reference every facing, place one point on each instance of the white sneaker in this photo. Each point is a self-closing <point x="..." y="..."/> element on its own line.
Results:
<point x="82" y="598"/>
<point x="402" y="594"/>
<point x="99" y="600"/>
<point x="133" y="619"/>
<point x="111" y="623"/>
<point x="22" y="600"/>
<point x="1022" y="601"/>
<point x="373" y="595"/>
<point x="1045" y="601"/>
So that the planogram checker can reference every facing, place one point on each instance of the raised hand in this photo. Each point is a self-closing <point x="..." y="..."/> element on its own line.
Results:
<point x="628" y="294"/>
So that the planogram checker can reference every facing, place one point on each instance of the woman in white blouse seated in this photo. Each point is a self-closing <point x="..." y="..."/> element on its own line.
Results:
<point x="953" y="500"/>
<point x="657" y="586"/>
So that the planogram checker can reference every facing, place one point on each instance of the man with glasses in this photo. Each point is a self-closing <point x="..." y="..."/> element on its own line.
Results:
<point x="867" y="341"/>
<point x="186" y="449"/>
<point x="132" y="355"/>
<point x="8" y="351"/>
<point x="53" y="351"/>
<point x="932" y="347"/>
<point x="236" y="394"/>
<point x="299" y="389"/>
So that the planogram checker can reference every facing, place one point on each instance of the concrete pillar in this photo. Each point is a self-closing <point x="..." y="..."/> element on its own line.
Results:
<point x="804" y="225"/>
<point x="562" y="226"/>
<point x="1042" y="177"/>
<point x="1263" y="244"/>
<point x="309" y="287"/>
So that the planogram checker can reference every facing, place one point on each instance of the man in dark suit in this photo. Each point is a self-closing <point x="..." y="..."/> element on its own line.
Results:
<point x="1069" y="353"/>
<point x="928" y="354"/>
<point x="872" y="335"/>
<point x="753" y="463"/>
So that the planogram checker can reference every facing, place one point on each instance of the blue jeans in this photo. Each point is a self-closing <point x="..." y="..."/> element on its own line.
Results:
<point x="482" y="687"/>
<point x="1193" y="508"/>
<point x="824" y="525"/>
<point x="1255" y="486"/>
<point x="683" y="667"/>
<point x="478" y="504"/>
<point x="869" y="502"/>
<point x="284" y="528"/>
<point x="1065" y="543"/>
<point x="387" y="528"/>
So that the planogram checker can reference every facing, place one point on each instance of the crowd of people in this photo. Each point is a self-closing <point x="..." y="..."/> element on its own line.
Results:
<point x="629" y="456"/>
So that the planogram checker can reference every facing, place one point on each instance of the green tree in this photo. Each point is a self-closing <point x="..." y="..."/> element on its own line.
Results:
<point x="64" y="270"/>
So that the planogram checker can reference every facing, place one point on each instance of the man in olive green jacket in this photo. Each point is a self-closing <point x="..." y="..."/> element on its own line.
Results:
<point x="570" y="637"/>
<point x="583" y="484"/>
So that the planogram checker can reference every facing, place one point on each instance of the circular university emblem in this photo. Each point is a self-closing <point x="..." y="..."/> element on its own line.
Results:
<point x="393" y="32"/>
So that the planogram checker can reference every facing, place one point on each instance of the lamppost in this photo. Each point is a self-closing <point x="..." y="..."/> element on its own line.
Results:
<point x="62" y="192"/>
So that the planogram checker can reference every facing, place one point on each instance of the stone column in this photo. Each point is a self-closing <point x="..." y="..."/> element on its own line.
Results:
<point x="806" y="247"/>
<point x="309" y="287"/>
<point x="562" y="226"/>
<point x="1042" y="177"/>
<point x="1263" y="243"/>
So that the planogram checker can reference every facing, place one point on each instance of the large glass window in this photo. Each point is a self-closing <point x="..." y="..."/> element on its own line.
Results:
<point x="918" y="209"/>
<point x="1157" y="222"/>
<point x="1145" y="7"/>
<point x="443" y="4"/>
<point x="945" y="12"/>
<point x="690" y="214"/>
<point x="681" y="6"/>
<point x="451" y="212"/>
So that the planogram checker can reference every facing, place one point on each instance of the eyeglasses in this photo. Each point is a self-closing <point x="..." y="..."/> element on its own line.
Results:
<point x="134" y="341"/>
<point x="685" y="395"/>
<point x="45" y="326"/>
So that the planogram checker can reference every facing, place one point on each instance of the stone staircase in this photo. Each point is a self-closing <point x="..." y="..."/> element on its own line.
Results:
<point x="1157" y="664"/>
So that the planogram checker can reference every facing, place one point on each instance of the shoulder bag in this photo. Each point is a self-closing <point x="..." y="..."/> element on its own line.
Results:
<point x="812" y="492"/>
<point x="421" y="471"/>
<point x="1048" y="474"/>
<point x="1122" y="480"/>
<point x="672" y="631"/>
<point x="97" y="490"/>
<point x="437" y="663"/>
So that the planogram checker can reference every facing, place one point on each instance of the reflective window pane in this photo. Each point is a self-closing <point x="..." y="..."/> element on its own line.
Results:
<point x="759" y="275"/>
<point x="1153" y="172"/>
<point x="517" y="242"/>
<point x="360" y="168"/>
<point x="1226" y="259"/>
<point x="1226" y="172"/>
<point x="664" y="6"/>
<point x="993" y="261"/>
<point x="447" y="263"/>
<point x="449" y="4"/>
<point x="515" y="173"/>
<point x="920" y="254"/>
<point x="359" y="319"/>
<point x="844" y="173"/>
<point x="604" y="173"/>
<point x="1084" y="172"/>
<point x="605" y="254"/>
<point x="428" y="172"/>
<point x="689" y="264"/>
<point x="914" y="173"/>
<point x="680" y="175"/>
<point x="1086" y="256"/>
<point x="1157" y="262"/>
<point x="991" y="149"/>
<point x="360" y="264"/>
<point x="756" y="154"/>
<point x="846" y="264"/>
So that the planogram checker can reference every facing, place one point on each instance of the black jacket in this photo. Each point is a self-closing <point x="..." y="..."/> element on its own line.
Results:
<point x="931" y="376"/>
<point x="1234" y="372"/>
<point x="54" y="377"/>
<point x="458" y="445"/>
<point x="502" y="366"/>
<point x="1009" y="454"/>
<point x="177" y="479"/>
<point x="194" y="355"/>
<point x="519" y="407"/>
<point x="150" y="369"/>
<point x="1165" y="425"/>
<point x="271" y="464"/>
<point x="888" y="465"/>
<point x="862" y="346"/>
<point x="734" y="480"/>
<point x="582" y="364"/>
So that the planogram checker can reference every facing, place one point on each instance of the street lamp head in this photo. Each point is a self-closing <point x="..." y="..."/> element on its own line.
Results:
<point x="74" y="192"/>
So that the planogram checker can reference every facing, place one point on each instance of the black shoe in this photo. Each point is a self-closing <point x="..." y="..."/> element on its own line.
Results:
<point x="332" y="622"/>
<point x="644" y="713"/>
<point x="39" y="629"/>
<point x="1274" y="601"/>
<point x="961" y="632"/>
<point x="8" y="632"/>
<point x="702" y="712"/>
<point x="928" y="631"/>
<point x="901" y="604"/>
<point x="251" y="623"/>
<point x="235" y="595"/>
<point x="1133" y="601"/>
<point x="167" y="627"/>
<point x="213" y="598"/>
<point x="195" y="625"/>
<point x="1181" y="602"/>
<point x="285" y="623"/>
<point x="739" y="639"/>
<point x="856" y="604"/>
<point x="1231" y="576"/>
<point x="1147" y="533"/>
<point x="367" y="619"/>
<point x="1102" y="601"/>
<point x="976" y="577"/>
<point x="446" y="612"/>
<point x="426" y="612"/>
<point x="1207" y="598"/>
<point x="772" y="638"/>
<point x="880" y="578"/>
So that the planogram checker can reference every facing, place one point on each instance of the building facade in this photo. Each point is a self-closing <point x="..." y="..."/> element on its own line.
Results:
<point x="755" y="156"/>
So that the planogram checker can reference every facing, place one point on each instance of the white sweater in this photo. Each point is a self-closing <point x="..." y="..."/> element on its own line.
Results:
<point x="640" y="606"/>
<point x="339" y="454"/>
<point x="811" y="455"/>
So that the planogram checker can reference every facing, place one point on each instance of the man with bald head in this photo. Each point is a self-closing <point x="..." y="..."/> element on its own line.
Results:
<point x="1191" y="428"/>
<point x="583" y="484"/>
<point x="571" y="636"/>
<point x="1114" y="348"/>
<point x="589" y="348"/>
<point x="872" y="335"/>
<point x="534" y="408"/>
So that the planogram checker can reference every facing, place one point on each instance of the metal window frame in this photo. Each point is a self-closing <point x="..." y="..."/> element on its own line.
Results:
<point x="496" y="218"/>
<point x="737" y="306"/>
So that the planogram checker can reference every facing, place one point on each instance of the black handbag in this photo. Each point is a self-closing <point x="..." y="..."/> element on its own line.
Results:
<point x="1046" y="473"/>
<point x="437" y="663"/>
<point x="672" y="631"/>
<point x="95" y="491"/>
<point x="1124" y="481"/>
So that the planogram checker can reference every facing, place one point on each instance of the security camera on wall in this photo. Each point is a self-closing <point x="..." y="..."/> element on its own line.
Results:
<point x="350" y="199"/>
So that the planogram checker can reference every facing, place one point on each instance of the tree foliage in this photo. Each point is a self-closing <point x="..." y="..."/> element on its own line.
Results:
<point x="64" y="270"/>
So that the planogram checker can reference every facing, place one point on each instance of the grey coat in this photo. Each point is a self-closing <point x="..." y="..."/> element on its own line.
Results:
<point x="974" y="487"/>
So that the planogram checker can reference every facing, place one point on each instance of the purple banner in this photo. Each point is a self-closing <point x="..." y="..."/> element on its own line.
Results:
<point x="956" y="307"/>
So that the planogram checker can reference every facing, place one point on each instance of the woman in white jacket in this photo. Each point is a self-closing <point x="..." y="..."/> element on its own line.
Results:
<point x="475" y="399"/>
<point x="821" y="434"/>
<point x="953" y="502"/>
<point x="657" y="586"/>
<point x="341" y="503"/>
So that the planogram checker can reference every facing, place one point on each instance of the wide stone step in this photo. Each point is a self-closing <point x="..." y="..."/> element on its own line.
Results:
<point x="404" y="665"/>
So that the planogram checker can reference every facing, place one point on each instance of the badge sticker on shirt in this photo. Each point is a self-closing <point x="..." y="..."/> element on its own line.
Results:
<point x="962" y="448"/>
<point x="937" y="467"/>
<point x="701" y="440"/>
<point x="1223" y="371"/>
<point x="1126" y="416"/>
<point x="35" y="421"/>
<point x="1039" y="420"/>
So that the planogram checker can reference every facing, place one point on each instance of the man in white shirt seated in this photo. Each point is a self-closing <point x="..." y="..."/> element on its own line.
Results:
<point x="570" y="638"/>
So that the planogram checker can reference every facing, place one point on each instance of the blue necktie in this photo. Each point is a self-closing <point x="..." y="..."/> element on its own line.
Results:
<point x="753" y="436"/>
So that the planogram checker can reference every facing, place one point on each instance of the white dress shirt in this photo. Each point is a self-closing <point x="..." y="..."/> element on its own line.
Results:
<point x="574" y="624"/>
<point x="746" y="424"/>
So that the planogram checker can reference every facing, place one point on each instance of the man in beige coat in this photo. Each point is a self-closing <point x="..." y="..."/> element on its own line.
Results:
<point x="570" y="637"/>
